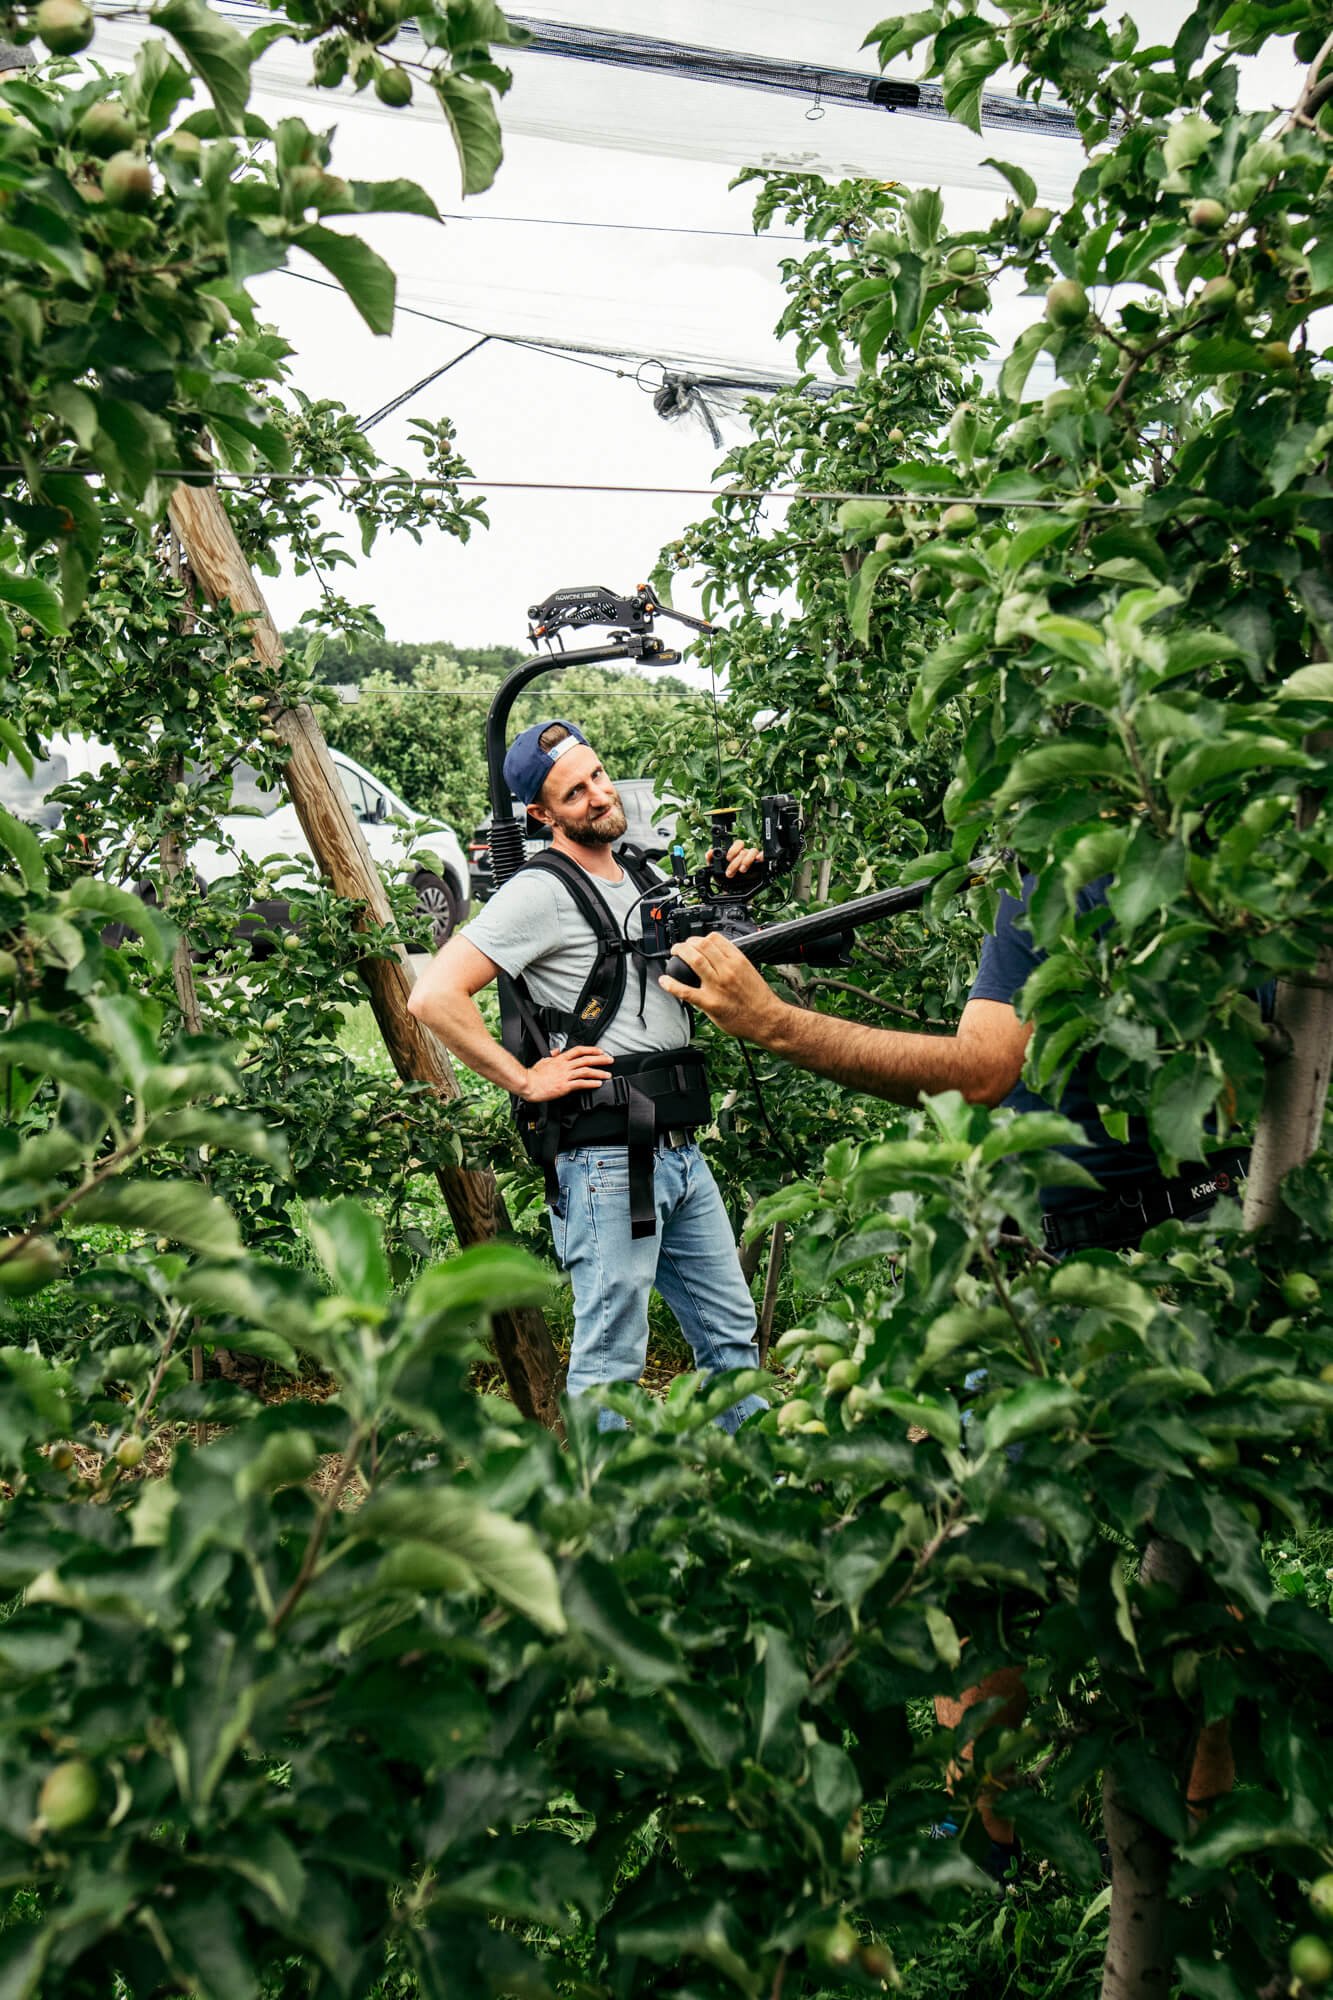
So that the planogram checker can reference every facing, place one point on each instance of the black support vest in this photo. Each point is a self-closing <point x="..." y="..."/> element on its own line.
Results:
<point x="647" y="1093"/>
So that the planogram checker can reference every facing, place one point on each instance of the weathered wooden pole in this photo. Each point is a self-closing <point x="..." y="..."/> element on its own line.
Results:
<point x="522" y="1339"/>
<point x="1296" y="1084"/>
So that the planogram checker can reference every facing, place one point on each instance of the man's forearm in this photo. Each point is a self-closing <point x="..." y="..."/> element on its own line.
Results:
<point x="886" y="1062"/>
<point x="456" y="1018"/>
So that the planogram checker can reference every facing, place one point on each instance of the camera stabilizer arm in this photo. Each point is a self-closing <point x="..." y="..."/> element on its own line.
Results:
<point x="576" y="607"/>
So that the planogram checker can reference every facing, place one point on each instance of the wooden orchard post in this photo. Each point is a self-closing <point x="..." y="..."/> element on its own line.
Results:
<point x="522" y="1339"/>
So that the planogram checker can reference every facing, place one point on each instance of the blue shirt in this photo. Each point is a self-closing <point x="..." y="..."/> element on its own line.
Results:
<point x="1008" y="957"/>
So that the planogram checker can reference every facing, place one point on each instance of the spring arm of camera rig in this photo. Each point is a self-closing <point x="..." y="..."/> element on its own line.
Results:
<point x="578" y="605"/>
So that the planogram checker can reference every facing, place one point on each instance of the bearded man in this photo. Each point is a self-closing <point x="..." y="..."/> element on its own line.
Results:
<point x="632" y="1203"/>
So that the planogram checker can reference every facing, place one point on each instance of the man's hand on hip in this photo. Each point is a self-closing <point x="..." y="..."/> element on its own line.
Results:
<point x="572" y="1069"/>
<point x="730" y="991"/>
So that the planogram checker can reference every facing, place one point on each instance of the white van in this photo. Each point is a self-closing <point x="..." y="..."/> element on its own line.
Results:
<point x="263" y="827"/>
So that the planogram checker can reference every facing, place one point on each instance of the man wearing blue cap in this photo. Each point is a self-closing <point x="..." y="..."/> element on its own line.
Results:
<point x="632" y="1202"/>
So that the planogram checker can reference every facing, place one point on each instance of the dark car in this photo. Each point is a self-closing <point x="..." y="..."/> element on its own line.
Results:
<point x="647" y="828"/>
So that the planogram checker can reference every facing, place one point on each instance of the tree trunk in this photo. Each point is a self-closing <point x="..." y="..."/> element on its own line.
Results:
<point x="170" y="852"/>
<point x="777" y="1245"/>
<point x="522" y="1339"/>
<point x="1296" y="1086"/>
<point x="1138" y="1963"/>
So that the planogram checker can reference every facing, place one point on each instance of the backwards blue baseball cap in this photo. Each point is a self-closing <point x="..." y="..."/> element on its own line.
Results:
<point x="527" y="766"/>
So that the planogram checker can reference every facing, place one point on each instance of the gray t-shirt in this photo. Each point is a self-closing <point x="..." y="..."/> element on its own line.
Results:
<point x="532" y="927"/>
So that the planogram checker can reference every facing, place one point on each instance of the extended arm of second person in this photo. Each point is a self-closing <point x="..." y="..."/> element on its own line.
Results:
<point x="983" y="1058"/>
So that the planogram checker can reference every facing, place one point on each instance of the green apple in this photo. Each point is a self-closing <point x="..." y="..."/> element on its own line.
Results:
<point x="394" y="87"/>
<point x="1311" y="1961"/>
<point x="1207" y="217"/>
<point x="127" y="181"/>
<point x="68" y="1795"/>
<point x="1066" y="303"/>
<point x="66" y="26"/>
<point x="958" y="520"/>
<point x="106" y="127"/>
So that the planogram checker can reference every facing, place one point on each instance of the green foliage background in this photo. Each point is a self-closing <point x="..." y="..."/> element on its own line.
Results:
<point x="369" y="1681"/>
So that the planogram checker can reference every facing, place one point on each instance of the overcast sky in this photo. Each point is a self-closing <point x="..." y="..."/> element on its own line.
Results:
<point x="677" y="274"/>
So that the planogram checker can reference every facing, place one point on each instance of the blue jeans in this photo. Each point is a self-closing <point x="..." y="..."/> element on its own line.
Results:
<point x="692" y="1261"/>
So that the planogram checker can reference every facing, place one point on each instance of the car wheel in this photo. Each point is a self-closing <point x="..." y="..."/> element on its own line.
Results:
<point x="437" y="902"/>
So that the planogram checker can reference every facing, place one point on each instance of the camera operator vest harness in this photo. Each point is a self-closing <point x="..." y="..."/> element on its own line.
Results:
<point x="657" y="1091"/>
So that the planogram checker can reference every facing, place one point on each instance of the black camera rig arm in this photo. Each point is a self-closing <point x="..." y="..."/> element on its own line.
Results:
<point x="577" y="607"/>
<point x="593" y="604"/>
<point x="823" y="938"/>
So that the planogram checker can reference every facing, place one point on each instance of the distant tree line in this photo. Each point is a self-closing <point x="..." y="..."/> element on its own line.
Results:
<point x="419" y="718"/>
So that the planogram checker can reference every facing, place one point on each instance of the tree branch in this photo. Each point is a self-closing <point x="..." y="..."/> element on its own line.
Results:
<point x="319" y="1533"/>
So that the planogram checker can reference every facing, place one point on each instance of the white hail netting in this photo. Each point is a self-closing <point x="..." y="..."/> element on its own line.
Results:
<point x="587" y="142"/>
<point x="676" y="280"/>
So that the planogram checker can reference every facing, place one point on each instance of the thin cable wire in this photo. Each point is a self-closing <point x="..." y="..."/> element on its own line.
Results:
<point x="396" y="402"/>
<point x="632" y="228"/>
<point x="460" y="326"/>
<point x="717" y="725"/>
<point x="239" y="481"/>
<point x="488" y="693"/>
<point x="576" y="353"/>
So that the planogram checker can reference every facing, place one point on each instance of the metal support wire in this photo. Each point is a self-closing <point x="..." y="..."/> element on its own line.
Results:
<point x="406" y="395"/>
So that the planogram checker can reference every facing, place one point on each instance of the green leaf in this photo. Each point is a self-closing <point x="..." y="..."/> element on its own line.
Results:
<point x="183" y="1210"/>
<point x="960" y="1326"/>
<point x="44" y="1048"/>
<point x="1054" y="1832"/>
<point x="215" y="50"/>
<point x="363" y="274"/>
<point x="396" y="197"/>
<point x="1021" y="182"/>
<point x="901" y="33"/>
<point x="19" y="840"/>
<point x="1223" y="354"/>
<point x="1312" y="683"/>
<point x="349" y="1244"/>
<point x="158" y="84"/>
<point x="487" y="1278"/>
<point x="923" y="213"/>
<point x="35" y="599"/>
<point x="505" y="1554"/>
<point x="1184" y="1094"/>
<point x="224" y="1131"/>
<point x="786" y="1204"/>
<point x="858" y="520"/>
<point x="1106" y="1288"/>
<point x="785" y="1685"/>
<point x="121" y="906"/>
<point x="965" y="76"/>
<point x="943" y="1635"/>
<point x="1186" y="140"/>
<point x="1060" y="764"/>
<point x="598" y="1608"/>
<point x="942" y="666"/>
<point x="1036" y="536"/>
<point x="1040" y="1406"/>
<point x="1030" y="1132"/>
<point x="861" y="592"/>
<point x="12" y="745"/>
<point x="1201" y="768"/>
<point x="1018" y="366"/>
<point x="1154" y="1787"/>
<point x="1150" y="877"/>
<point x="470" y="110"/>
